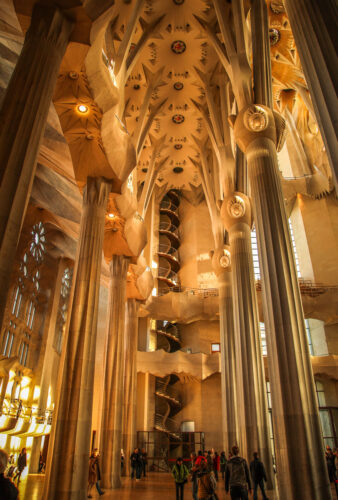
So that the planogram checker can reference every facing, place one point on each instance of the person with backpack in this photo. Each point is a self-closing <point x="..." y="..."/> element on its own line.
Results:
<point x="258" y="476"/>
<point x="200" y="458"/>
<point x="223" y="464"/>
<point x="180" y="473"/>
<point x="237" y="476"/>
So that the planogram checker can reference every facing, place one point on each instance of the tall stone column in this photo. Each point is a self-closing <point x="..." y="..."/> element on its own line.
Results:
<point x="130" y="380"/>
<point x="314" y="27"/>
<point x="252" y="412"/>
<point x="221" y="263"/>
<point x="113" y="398"/>
<point x="23" y="118"/>
<point x="67" y="469"/>
<point x="48" y="357"/>
<point x="258" y="131"/>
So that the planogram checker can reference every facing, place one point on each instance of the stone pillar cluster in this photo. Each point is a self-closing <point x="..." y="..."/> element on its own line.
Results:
<point x="112" y="414"/>
<point x="252" y="416"/>
<point x="72" y="429"/>
<point x="221" y="262"/>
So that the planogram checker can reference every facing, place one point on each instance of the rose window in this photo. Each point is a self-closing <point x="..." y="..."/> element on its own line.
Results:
<point x="38" y="242"/>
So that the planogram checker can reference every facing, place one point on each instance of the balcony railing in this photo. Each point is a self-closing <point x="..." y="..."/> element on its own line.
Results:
<point x="15" y="408"/>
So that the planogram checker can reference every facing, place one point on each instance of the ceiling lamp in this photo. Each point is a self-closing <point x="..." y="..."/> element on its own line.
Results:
<point x="82" y="108"/>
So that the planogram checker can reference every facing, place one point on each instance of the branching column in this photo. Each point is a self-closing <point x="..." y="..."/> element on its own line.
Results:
<point x="252" y="412"/>
<point x="22" y="123"/>
<point x="221" y="262"/>
<point x="130" y="380"/>
<point x="299" y="445"/>
<point x="112" y="414"/>
<point x="314" y="27"/>
<point x="68" y="472"/>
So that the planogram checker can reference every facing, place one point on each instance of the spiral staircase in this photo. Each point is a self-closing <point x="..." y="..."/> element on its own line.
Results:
<point x="168" y="402"/>
<point x="169" y="242"/>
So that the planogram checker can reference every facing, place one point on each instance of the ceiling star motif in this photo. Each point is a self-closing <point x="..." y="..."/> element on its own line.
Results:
<point x="178" y="47"/>
<point x="178" y="85"/>
<point x="178" y="119"/>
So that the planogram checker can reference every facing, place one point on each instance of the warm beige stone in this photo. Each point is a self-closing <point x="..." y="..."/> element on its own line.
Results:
<point x="67" y="479"/>
<point x="112" y="412"/>
<point x="22" y="126"/>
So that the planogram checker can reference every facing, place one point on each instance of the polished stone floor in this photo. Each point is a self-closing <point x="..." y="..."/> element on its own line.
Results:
<point x="157" y="486"/>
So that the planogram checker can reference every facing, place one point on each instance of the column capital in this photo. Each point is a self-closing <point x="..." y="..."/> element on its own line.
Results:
<point x="221" y="260"/>
<point x="119" y="266"/>
<point x="236" y="209"/>
<point x="50" y="25"/>
<point x="96" y="192"/>
<point x="256" y="122"/>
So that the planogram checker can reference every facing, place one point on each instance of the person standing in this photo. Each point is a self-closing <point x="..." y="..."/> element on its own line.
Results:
<point x="136" y="464"/>
<point x="331" y="467"/>
<point x="96" y="458"/>
<point x="21" y="464"/>
<point x="206" y="486"/>
<point x="8" y="491"/>
<point x="216" y="464"/>
<point x="200" y="458"/>
<point x="193" y="475"/>
<point x="237" y="476"/>
<point x="180" y="473"/>
<point x="144" y="460"/>
<point x="210" y="461"/>
<point x="258" y="476"/>
<point x="92" y="477"/>
<point x="223" y="464"/>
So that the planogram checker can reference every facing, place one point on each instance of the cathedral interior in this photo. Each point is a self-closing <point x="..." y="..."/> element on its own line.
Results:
<point x="169" y="236"/>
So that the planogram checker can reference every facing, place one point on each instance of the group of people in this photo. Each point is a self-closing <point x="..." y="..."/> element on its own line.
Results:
<point x="8" y="490"/>
<point x="204" y="475"/>
<point x="138" y="463"/>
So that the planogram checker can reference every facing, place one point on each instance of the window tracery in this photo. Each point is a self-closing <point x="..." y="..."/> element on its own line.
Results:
<point x="66" y="284"/>
<point x="19" y="325"/>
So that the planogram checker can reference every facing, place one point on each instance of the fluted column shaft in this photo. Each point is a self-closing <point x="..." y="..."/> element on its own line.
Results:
<point x="68" y="471"/>
<point x="229" y="385"/>
<point x="314" y="27"/>
<point x="260" y="132"/>
<point x="130" y="380"/>
<point x="23" y="118"/>
<point x="294" y="406"/>
<point x="112" y="413"/>
<point x="252" y="412"/>
<point x="47" y="359"/>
